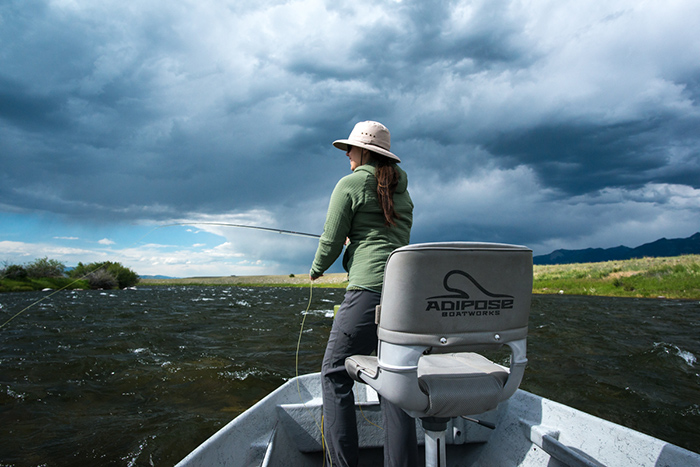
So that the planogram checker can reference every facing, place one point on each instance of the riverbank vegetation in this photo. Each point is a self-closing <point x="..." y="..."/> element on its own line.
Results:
<point x="336" y="280"/>
<point x="672" y="277"/>
<point x="47" y="273"/>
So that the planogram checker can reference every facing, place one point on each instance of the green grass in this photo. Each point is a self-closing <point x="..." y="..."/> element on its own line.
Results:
<point x="335" y="280"/>
<point x="27" y="285"/>
<point x="672" y="277"/>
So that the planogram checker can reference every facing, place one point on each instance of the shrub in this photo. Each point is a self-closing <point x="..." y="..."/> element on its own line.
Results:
<point x="45" y="267"/>
<point x="124" y="276"/>
<point x="15" y="272"/>
<point x="102" y="279"/>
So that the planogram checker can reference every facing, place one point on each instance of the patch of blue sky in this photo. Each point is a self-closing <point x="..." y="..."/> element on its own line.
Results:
<point x="178" y="237"/>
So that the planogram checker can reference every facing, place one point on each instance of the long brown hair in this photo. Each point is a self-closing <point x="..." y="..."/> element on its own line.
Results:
<point x="387" y="181"/>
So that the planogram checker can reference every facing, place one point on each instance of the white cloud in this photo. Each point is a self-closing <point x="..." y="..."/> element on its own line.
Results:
<point x="21" y="252"/>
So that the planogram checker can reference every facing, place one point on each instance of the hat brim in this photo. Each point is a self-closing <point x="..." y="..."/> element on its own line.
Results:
<point x="343" y="144"/>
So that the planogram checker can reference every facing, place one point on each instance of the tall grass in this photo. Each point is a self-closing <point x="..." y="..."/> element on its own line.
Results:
<point x="28" y="285"/>
<point x="671" y="277"/>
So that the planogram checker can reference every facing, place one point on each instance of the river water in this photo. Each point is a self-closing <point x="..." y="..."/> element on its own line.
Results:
<point x="141" y="377"/>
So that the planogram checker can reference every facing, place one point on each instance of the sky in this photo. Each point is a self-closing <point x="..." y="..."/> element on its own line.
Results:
<point x="546" y="123"/>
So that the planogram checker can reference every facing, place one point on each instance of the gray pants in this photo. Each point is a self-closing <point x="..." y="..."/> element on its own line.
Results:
<point x="355" y="333"/>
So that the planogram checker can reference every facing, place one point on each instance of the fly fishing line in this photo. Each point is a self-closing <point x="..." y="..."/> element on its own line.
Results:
<point x="49" y="296"/>
<point x="296" y="373"/>
<point x="66" y="286"/>
<point x="223" y="224"/>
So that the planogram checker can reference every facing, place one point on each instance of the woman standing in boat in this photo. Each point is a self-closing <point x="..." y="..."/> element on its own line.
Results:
<point x="371" y="210"/>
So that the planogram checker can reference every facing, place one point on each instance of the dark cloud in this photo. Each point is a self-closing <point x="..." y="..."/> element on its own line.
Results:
<point x="157" y="110"/>
<point x="577" y="159"/>
<point x="21" y="107"/>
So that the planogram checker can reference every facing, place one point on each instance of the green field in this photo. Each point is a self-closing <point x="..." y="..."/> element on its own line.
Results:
<point x="338" y="280"/>
<point x="672" y="277"/>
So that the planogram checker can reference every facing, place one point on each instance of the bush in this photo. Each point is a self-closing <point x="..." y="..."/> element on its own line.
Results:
<point x="124" y="276"/>
<point x="45" y="267"/>
<point x="14" y="272"/>
<point x="102" y="279"/>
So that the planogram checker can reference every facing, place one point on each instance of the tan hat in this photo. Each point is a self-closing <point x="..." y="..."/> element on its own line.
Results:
<point x="369" y="135"/>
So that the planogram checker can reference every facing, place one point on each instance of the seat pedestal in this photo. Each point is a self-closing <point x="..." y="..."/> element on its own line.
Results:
<point x="435" y="452"/>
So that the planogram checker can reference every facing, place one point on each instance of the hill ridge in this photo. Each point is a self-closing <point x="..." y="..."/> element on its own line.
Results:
<point x="658" y="248"/>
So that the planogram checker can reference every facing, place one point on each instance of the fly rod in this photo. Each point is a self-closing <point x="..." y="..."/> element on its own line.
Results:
<point x="245" y="226"/>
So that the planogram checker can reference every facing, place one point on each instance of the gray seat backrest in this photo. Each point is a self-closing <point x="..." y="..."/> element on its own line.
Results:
<point x="460" y="296"/>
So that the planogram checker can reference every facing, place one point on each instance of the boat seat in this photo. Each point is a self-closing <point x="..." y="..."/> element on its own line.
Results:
<point x="442" y="306"/>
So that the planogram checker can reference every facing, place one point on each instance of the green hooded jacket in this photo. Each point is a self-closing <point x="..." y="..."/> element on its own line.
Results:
<point x="354" y="213"/>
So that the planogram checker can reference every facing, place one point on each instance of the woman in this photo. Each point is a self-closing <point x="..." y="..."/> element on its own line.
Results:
<point x="371" y="210"/>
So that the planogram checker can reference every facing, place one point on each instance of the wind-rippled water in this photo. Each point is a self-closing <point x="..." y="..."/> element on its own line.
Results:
<point x="141" y="377"/>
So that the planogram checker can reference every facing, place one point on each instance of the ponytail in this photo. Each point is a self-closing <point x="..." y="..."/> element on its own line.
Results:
<point x="387" y="181"/>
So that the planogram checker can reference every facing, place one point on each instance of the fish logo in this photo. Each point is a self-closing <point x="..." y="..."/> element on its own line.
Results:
<point x="460" y="302"/>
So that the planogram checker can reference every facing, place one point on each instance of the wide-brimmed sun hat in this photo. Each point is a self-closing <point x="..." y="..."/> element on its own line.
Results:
<point x="369" y="135"/>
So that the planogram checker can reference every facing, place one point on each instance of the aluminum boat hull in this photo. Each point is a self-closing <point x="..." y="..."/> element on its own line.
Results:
<point x="283" y="429"/>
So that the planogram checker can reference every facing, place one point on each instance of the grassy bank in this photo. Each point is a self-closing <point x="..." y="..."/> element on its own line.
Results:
<point x="55" y="283"/>
<point x="293" y="280"/>
<point x="674" y="277"/>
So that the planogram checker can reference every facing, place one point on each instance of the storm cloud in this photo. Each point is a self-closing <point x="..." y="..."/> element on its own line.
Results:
<point x="551" y="124"/>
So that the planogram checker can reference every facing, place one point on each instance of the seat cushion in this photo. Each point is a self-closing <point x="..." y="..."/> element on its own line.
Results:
<point x="460" y="383"/>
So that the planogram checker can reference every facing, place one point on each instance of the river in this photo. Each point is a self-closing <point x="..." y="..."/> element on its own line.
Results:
<point x="141" y="377"/>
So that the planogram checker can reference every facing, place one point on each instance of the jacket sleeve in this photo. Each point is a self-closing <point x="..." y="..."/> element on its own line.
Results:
<point x="336" y="228"/>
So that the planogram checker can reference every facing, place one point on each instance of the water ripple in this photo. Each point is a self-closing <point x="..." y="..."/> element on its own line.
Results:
<point x="141" y="377"/>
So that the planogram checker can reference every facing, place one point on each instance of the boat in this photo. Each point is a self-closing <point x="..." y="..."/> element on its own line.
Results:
<point x="283" y="429"/>
<point x="441" y="303"/>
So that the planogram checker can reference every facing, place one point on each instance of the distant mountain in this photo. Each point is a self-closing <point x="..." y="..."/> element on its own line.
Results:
<point x="157" y="277"/>
<point x="660" y="247"/>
